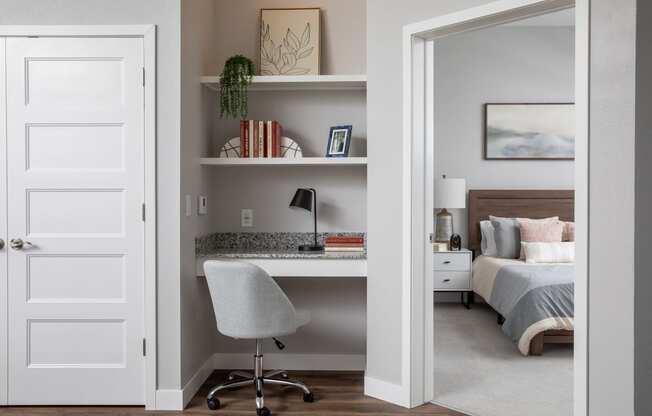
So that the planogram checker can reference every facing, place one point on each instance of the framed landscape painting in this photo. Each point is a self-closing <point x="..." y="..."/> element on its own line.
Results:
<point x="289" y="41"/>
<point x="529" y="131"/>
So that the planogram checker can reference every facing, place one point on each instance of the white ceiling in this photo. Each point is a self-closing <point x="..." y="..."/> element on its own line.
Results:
<point x="561" y="18"/>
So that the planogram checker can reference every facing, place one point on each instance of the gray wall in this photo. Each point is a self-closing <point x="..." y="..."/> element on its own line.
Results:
<point x="612" y="207"/>
<point x="165" y="14"/>
<point x="643" y="289"/>
<point x="198" y="330"/>
<point x="502" y="64"/>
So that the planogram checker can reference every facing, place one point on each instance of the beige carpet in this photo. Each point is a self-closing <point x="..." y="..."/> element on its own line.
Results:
<point x="479" y="371"/>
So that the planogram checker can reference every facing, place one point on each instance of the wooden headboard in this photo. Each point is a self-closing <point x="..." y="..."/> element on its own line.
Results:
<point x="517" y="203"/>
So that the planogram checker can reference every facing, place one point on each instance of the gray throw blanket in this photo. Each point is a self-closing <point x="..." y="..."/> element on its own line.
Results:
<point x="525" y="295"/>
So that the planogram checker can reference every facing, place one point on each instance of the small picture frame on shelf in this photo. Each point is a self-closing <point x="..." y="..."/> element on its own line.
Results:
<point x="339" y="141"/>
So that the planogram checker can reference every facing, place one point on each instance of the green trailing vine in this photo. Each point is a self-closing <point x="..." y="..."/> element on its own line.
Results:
<point x="234" y="84"/>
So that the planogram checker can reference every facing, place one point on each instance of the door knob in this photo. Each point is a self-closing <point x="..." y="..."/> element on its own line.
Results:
<point x="2" y="243"/>
<point x="19" y="244"/>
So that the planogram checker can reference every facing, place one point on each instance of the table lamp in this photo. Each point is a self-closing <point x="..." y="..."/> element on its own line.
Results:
<point x="306" y="198"/>
<point x="449" y="193"/>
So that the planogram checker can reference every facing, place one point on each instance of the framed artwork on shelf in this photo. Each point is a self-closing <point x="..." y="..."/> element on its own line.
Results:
<point x="339" y="141"/>
<point x="290" y="41"/>
<point x="529" y="131"/>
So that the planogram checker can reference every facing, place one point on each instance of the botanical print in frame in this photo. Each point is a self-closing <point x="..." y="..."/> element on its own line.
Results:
<point x="289" y="41"/>
<point x="530" y="131"/>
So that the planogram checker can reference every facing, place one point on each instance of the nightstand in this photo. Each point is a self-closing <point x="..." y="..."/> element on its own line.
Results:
<point x="452" y="273"/>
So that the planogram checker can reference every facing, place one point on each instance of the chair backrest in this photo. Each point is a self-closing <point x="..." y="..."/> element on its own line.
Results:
<point x="248" y="303"/>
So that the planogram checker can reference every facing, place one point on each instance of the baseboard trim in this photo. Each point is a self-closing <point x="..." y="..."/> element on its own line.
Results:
<point x="389" y="392"/>
<point x="197" y="380"/>
<point x="307" y="362"/>
<point x="178" y="399"/>
<point x="168" y="399"/>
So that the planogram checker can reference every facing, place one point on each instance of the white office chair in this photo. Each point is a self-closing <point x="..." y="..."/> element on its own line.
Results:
<point x="249" y="304"/>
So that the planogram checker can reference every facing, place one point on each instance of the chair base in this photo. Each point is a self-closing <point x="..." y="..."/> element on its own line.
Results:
<point x="238" y="379"/>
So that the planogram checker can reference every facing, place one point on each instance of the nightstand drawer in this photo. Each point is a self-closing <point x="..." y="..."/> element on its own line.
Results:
<point x="455" y="261"/>
<point x="452" y="281"/>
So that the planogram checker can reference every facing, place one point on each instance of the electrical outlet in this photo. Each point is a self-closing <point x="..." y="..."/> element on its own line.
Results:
<point x="247" y="218"/>
<point x="202" y="205"/>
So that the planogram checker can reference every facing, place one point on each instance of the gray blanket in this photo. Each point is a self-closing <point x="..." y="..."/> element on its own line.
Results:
<point x="524" y="295"/>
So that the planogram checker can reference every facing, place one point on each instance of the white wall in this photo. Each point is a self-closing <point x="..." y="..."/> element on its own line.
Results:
<point x="198" y="330"/>
<point x="385" y="20"/>
<point x="502" y="64"/>
<point x="165" y="14"/>
<point x="612" y="196"/>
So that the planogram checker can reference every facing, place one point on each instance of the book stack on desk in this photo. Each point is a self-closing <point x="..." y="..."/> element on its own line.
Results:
<point x="349" y="244"/>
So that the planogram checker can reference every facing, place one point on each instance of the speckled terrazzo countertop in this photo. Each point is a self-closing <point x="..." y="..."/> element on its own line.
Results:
<point x="268" y="246"/>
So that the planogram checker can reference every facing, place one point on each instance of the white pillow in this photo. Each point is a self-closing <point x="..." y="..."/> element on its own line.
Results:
<point x="488" y="242"/>
<point x="557" y="252"/>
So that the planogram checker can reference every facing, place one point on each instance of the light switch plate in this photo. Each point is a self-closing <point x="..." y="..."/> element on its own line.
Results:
<point x="188" y="206"/>
<point x="202" y="205"/>
<point x="247" y="218"/>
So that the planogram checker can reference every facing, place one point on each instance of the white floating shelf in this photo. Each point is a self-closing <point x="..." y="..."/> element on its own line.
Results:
<point x="297" y="82"/>
<point x="305" y="161"/>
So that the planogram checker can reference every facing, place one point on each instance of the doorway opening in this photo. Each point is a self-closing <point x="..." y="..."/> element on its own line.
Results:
<point x="421" y="41"/>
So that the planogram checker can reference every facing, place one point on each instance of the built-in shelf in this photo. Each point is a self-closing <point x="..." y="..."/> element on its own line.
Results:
<point x="304" y="161"/>
<point x="297" y="82"/>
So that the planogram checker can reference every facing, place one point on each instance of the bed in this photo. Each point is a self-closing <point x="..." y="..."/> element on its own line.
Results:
<point x="533" y="302"/>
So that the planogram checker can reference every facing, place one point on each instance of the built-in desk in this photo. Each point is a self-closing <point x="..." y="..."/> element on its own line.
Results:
<point x="294" y="263"/>
<point x="282" y="262"/>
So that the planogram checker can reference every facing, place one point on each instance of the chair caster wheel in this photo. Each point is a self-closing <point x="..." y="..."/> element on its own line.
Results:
<point x="308" y="397"/>
<point x="213" y="403"/>
<point x="263" y="411"/>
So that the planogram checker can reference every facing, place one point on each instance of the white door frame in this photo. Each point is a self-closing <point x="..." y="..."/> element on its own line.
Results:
<point x="418" y="101"/>
<point x="148" y="34"/>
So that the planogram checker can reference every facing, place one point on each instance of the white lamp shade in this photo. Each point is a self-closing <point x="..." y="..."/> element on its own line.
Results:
<point x="450" y="193"/>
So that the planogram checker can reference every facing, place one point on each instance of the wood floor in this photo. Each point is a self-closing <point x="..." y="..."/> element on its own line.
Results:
<point x="336" y="393"/>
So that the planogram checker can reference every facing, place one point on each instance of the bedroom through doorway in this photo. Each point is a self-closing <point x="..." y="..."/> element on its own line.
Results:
<point x="504" y="190"/>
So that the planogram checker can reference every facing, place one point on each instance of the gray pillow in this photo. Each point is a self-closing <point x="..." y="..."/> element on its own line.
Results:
<point x="508" y="237"/>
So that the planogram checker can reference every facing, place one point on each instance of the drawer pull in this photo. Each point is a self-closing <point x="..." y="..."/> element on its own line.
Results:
<point x="447" y="262"/>
<point x="446" y="280"/>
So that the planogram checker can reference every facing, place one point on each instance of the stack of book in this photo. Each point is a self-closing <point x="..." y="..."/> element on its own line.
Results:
<point x="260" y="138"/>
<point x="351" y="244"/>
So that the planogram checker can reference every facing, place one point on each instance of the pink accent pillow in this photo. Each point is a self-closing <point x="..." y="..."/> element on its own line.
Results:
<point x="569" y="232"/>
<point x="540" y="231"/>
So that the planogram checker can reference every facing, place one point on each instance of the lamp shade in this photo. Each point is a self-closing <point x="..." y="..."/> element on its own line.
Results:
<point x="302" y="199"/>
<point x="450" y="193"/>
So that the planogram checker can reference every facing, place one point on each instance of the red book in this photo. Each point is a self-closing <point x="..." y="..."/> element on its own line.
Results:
<point x="253" y="138"/>
<point x="344" y="244"/>
<point x="244" y="139"/>
<point x="350" y="240"/>
<point x="278" y="133"/>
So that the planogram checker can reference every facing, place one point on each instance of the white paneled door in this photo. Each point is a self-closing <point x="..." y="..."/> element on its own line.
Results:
<point x="75" y="179"/>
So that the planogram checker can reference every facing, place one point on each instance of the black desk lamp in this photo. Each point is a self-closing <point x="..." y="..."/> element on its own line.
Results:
<point x="306" y="198"/>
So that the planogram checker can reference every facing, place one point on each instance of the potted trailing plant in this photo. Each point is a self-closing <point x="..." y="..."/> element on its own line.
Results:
<point x="234" y="83"/>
